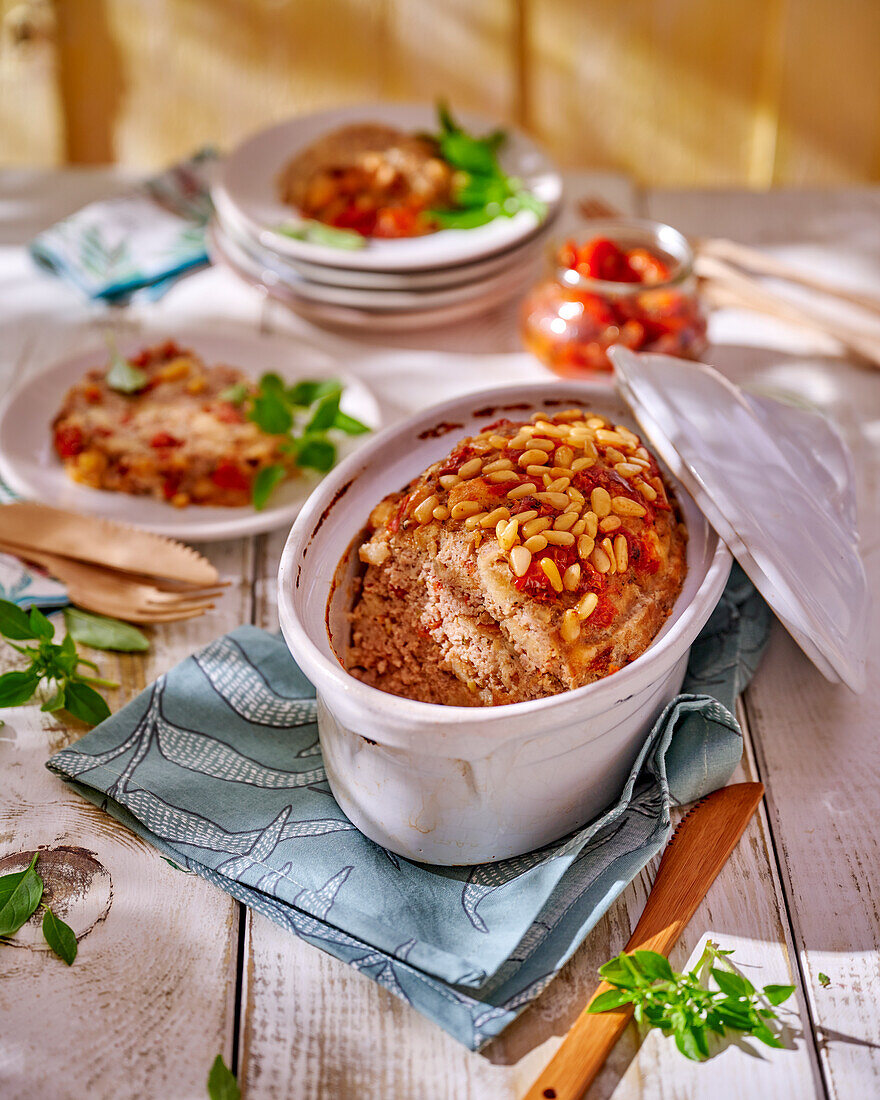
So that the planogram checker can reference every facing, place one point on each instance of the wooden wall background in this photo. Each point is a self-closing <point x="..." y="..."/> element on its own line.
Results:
<point x="674" y="92"/>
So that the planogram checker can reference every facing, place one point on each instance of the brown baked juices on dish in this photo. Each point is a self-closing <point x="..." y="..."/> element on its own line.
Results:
<point x="535" y="558"/>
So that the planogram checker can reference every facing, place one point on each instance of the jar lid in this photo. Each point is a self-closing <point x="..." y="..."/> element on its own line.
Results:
<point x="776" y="483"/>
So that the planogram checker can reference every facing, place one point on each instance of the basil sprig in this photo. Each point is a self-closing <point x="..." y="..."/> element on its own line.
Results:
<point x="222" y="1084"/>
<point x="683" y="1006"/>
<point x="481" y="189"/>
<point x="102" y="632"/>
<point x="57" y="666"/>
<point x="304" y="414"/>
<point x="21" y="894"/>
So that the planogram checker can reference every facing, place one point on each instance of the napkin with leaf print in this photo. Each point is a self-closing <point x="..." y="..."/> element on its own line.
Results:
<point x="218" y="764"/>
<point x="137" y="243"/>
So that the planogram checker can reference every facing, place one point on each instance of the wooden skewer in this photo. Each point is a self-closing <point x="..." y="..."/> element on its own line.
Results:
<point x="698" y="850"/>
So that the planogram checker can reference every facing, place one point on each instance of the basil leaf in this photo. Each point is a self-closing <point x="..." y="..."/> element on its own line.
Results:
<point x="688" y="1045"/>
<point x="22" y="902"/>
<point x="776" y="994"/>
<point x="60" y="937"/>
<point x="307" y="392"/>
<point x="324" y="414"/>
<point x="66" y="655"/>
<point x="616" y="973"/>
<point x="222" y="1084"/>
<point x="314" y="232"/>
<point x="39" y="624"/>
<point x="14" y="622"/>
<point x="85" y="703"/>
<point x="612" y="998"/>
<point x="654" y="965"/>
<point x="123" y="376"/>
<point x="316" y="454"/>
<point x="234" y="394"/>
<point x="731" y="984"/>
<point x="765" y="1035"/>
<point x="824" y="980"/>
<point x="345" y="423"/>
<point x="264" y="483"/>
<point x="16" y="688"/>
<point x="271" y="414"/>
<point x="101" y="632"/>
<point x="55" y="701"/>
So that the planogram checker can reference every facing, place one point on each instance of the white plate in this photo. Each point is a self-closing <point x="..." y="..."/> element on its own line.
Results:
<point x="530" y="249"/>
<point x="248" y="178"/>
<point x="509" y="279"/>
<point x="362" y="320"/>
<point x="31" y="468"/>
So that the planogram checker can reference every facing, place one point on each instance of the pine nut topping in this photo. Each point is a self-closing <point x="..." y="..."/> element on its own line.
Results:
<point x="559" y="485"/>
<point x="609" y="550"/>
<point x="535" y="526"/>
<point x="624" y="506"/>
<point x="562" y="471"/>
<point x="533" y="457"/>
<point x="571" y="577"/>
<point x="498" y="464"/>
<point x="507" y="535"/>
<point x="559" y="538"/>
<point x="551" y="572"/>
<point x="578" y="528"/>
<point x="537" y="471"/>
<point x="587" y="605"/>
<point x="524" y="517"/>
<point x="470" y="469"/>
<point x="535" y="543"/>
<point x="600" y="500"/>
<point x="472" y="522"/>
<point x="465" y="508"/>
<point x="499" y="441"/>
<point x="492" y="518"/>
<point x="564" y="456"/>
<point x="613" y="455"/>
<point x="571" y="627"/>
<point x="609" y="523"/>
<point x="585" y="546"/>
<point x="574" y="494"/>
<point x="449" y="481"/>
<point x="520" y="560"/>
<point x="647" y="492"/>
<point x="591" y="521"/>
<point x="521" y="491"/>
<point x="627" y="469"/>
<point x="424" y="512"/>
<point x="583" y="463"/>
<point x="613" y="438"/>
<point x="441" y="512"/>
<point x="595" y="422"/>
<point x="621" y="554"/>
<point x="555" y="500"/>
<point x="542" y="444"/>
<point x="565" y="522"/>
<point x="553" y="430"/>
<point x="600" y="560"/>
<point x="501" y="475"/>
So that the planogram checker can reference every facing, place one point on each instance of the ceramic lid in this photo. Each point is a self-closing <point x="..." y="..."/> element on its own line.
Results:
<point x="777" y="485"/>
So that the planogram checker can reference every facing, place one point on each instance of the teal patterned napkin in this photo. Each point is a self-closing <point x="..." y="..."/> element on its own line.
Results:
<point x="137" y="243"/>
<point x="218" y="765"/>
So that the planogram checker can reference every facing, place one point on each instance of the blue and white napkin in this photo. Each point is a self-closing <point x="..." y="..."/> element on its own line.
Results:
<point x="218" y="765"/>
<point x="137" y="243"/>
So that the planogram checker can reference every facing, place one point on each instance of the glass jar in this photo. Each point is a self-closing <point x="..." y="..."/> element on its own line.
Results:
<point x="570" y="318"/>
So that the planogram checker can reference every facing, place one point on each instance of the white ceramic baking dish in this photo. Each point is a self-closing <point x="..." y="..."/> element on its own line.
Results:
<point x="460" y="785"/>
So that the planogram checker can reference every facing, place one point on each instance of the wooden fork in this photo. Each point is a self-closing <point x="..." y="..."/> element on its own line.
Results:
<point x="112" y="593"/>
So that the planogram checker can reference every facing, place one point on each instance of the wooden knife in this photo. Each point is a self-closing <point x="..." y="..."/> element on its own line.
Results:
<point x="698" y="850"/>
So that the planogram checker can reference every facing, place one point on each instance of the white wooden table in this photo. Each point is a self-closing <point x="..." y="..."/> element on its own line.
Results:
<point x="171" y="971"/>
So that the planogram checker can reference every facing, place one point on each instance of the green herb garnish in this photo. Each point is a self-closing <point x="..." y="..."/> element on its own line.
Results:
<point x="682" y="1005"/>
<point x="101" y="632"/>
<point x="21" y="894"/>
<point x="123" y="376"/>
<point x="315" y="232"/>
<point x="222" y="1084"/>
<point x="824" y="980"/>
<point x="55" y="665"/>
<point x="481" y="189"/>
<point x="303" y="414"/>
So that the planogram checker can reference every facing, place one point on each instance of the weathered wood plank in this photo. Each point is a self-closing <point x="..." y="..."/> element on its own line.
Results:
<point x="148" y="1003"/>
<point x="816" y="744"/>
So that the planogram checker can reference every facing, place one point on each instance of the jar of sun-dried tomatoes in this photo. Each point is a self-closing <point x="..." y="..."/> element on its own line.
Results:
<point x="631" y="283"/>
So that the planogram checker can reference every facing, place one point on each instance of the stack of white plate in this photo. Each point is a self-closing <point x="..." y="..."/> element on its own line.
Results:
<point x="388" y="284"/>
